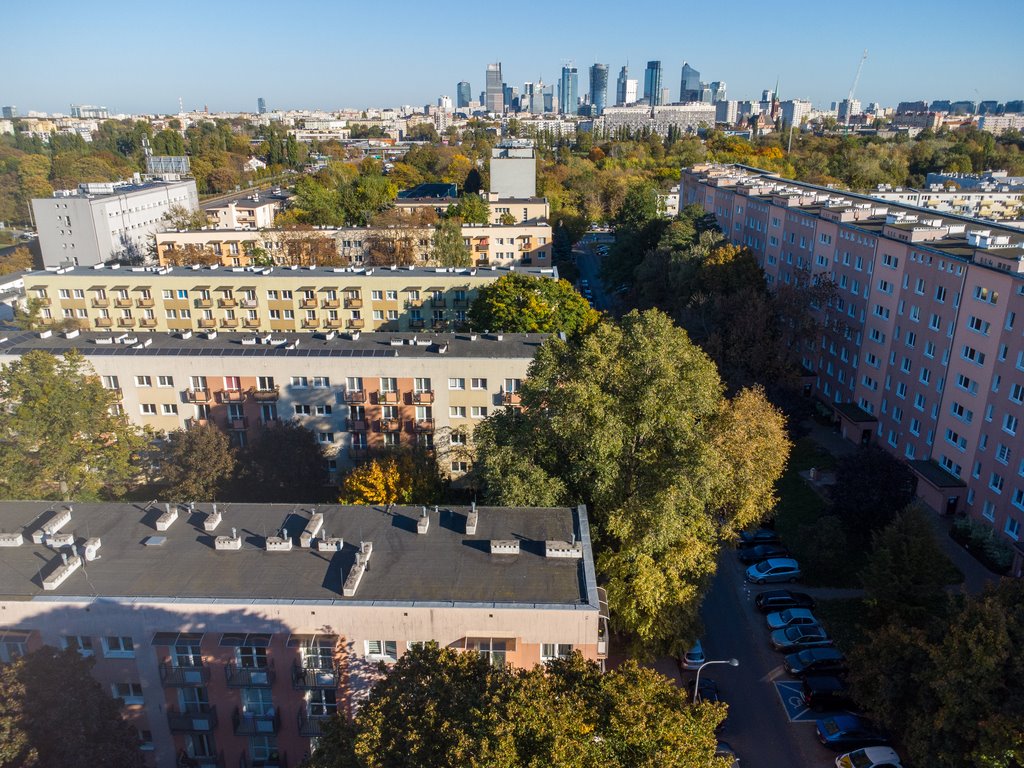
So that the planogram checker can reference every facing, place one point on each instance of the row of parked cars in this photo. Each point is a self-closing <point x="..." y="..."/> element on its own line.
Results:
<point x="811" y="656"/>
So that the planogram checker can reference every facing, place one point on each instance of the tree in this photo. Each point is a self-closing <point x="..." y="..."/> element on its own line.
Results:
<point x="395" y="236"/>
<point x="197" y="463"/>
<point x="632" y="422"/>
<point x="448" y="248"/>
<point x="379" y="481"/>
<point x="54" y="713"/>
<point x="638" y="228"/>
<point x="180" y="217"/>
<point x="59" y="437"/>
<point x="871" y="487"/>
<point x="519" y="303"/>
<point x="471" y="209"/>
<point x="284" y="463"/>
<point x="19" y="260"/>
<point x="438" y="707"/>
<point x="507" y="218"/>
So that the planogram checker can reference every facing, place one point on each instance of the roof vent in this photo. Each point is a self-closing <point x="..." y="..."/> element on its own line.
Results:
<point x="212" y="520"/>
<point x="471" y="520"/>
<point x="358" y="569"/>
<point x="45" y="334"/>
<point x="59" y="575"/>
<point x="53" y="525"/>
<point x="280" y="543"/>
<point x="567" y="549"/>
<point x="504" y="546"/>
<point x="71" y="334"/>
<point x="234" y="541"/>
<point x="316" y="522"/>
<point x="327" y="543"/>
<point x="355" y="335"/>
<point x="423" y="524"/>
<point x="11" y="539"/>
<point x="60" y="540"/>
<point x="166" y="520"/>
<point x="211" y="334"/>
<point x="91" y="548"/>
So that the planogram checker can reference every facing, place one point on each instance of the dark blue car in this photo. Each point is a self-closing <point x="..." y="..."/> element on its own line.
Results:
<point x="842" y="733"/>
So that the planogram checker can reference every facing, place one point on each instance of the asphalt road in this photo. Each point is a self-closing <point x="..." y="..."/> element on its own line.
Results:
<point x="758" y="726"/>
<point x="589" y="264"/>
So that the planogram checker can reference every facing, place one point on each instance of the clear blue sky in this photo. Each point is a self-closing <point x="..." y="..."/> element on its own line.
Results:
<point x="141" y="56"/>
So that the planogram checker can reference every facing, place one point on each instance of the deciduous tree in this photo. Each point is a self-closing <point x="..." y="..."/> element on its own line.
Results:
<point x="518" y="303"/>
<point x="197" y="463"/>
<point x="471" y="209"/>
<point x="284" y="463"/>
<point x="379" y="481"/>
<point x="19" y="260"/>
<point x="448" y="248"/>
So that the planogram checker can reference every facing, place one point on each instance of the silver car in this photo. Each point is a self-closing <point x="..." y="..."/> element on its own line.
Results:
<point x="774" y="569"/>
<point x="790" y="617"/>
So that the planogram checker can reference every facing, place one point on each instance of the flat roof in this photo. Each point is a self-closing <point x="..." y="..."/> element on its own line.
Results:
<point x="279" y="343"/>
<point x="276" y="195"/>
<point x="444" y="565"/>
<point x="298" y="273"/>
<point x="935" y="474"/>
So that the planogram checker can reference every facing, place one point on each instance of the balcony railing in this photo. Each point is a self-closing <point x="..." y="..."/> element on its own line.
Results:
<point x="43" y="301"/>
<point x="183" y="677"/>
<point x="226" y="303"/>
<point x="438" y="302"/>
<point x="460" y="303"/>
<point x="206" y="761"/>
<point x="420" y="323"/>
<point x="266" y="393"/>
<point x="357" y="425"/>
<point x="251" y="724"/>
<point x="275" y="761"/>
<point x="194" y="719"/>
<point x="310" y="725"/>
<point x="239" y="423"/>
<point x="306" y="678"/>
<point x="483" y="262"/>
<point x="332" y="322"/>
<point x="249" y="677"/>
<point x="197" y="395"/>
<point x="101" y="302"/>
<point x="145" y="303"/>
<point x="355" y="396"/>
<point x="307" y="303"/>
<point x="423" y="425"/>
<point x="390" y="425"/>
<point x="204" y="303"/>
<point x="331" y="303"/>
<point x="118" y="392"/>
<point x="356" y="322"/>
<point x="249" y="303"/>
<point x="149" y="322"/>
<point x="104" y="322"/>
<point x="207" y="322"/>
<point x="228" y="322"/>
<point x="353" y="303"/>
<point x="310" y="322"/>
<point x="230" y="395"/>
<point x="126" y="322"/>
<point x="123" y="303"/>
<point x="511" y="398"/>
<point x="252" y="322"/>
<point x="358" y="453"/>
<point x="424" y="397"/>
<point x="190" y="423"/>
<point x="387" y="398"/>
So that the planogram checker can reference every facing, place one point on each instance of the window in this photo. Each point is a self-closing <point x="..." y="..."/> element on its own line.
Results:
<point x="325" y="437"/>
<point x="147" y="409"/>
<point x="1012" y="528"/>
<point x="457" y="411"/>
<point x="421" y="385"/>
<point x="995" y="482"/>
<point x="1002" y="454"/>
<point x="165" y="381"/>
<point x="143" y="381"/>
<point x="323" y="410"/>
<point x="460" y="467"/>
<point x="382" y="649"/>
<point x="300" y="409"/>
<point x="131" y="693"/>
<point x="251" y="656"/>
<point x="492" y="649"/>
<point x="479" y="412"/>
<point x="971" y="354"/>
<point x="300" y="382"/>
<point x="321" y="382"/>
<point x="118" y="647"/>
<point x="80" y="643"/>
<point x="549" y="651"/>
<point x="459" y="438"/>
<point x="1010" y="424"/>
<point x="1017" y="393"/>
<point x="169" y="409"/>
<point x="456" y="383"/>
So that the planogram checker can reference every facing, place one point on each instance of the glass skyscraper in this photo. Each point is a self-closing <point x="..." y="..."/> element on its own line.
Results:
<point x="620" y="87"/>
<point x="598" y="88"/>
<point x="495" y="92"/>
<point x="568" y="90"/>
<point x="652" y="83"/>
<point x="463" y="94"/>
<point x="689" y="85"/>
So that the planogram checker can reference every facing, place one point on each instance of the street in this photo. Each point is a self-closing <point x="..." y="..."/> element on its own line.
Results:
<point x="589" y="264"/>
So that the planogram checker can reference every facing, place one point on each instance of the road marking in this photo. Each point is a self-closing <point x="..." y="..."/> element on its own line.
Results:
<point x="776" y="673"/>
<point x="791" y="696"/>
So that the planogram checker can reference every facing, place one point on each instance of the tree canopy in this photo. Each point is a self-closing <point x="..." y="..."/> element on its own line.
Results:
<point x="284" y="463"/>
<point x="518" y="303"/>
<point x="448" y="248"/>
<point x="197" y="463"/>
<point x="471" y="209"/>
<point x="439" y="707"/>
<point x="871" y="488"/>
<point x="404" y="476"/>
<point x="58" y="435"/>
<point x="632" y="421"/>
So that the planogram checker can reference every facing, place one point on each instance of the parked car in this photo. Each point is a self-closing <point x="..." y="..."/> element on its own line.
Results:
<point x="826" y="692"/>
<point x="816" y="661"/>
<point x="774" y="569"/>
<point x="759" y="552"/>
<point x="708" y="690"/>
<point x="724" y="750"/>
<point x="781" y="599"/>
<point x="870" y="757"/>
<point x="759" y="536"/>
<point x="792" y="639"/>
<point x="844" y="732"/>
<point x="694" y="657"/>
<point x="791" y="617"/>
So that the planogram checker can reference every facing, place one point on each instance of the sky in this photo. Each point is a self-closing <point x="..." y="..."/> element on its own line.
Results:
<point x="140" y="57"/>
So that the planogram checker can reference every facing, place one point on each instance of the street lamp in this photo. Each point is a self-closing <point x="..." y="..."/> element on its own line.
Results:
<point x="696" y="682"/>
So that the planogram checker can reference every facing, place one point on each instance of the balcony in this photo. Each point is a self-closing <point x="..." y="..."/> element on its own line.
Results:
<point x="357" y="425"/>
<point x="414" y="303"/>
<point x="511" y="398"/>
<point x="438" y="302"/>
<point x="249" y="303"/>
<point x="306" y="678"/>
<point x="423" y="425"/>
<point x="483" y="262"/>
<point x="183" y="677"/>
<point x="310" y="725"/>
<point x="195" y="719"/>
<point x="333" y="322"/>
<point x="279" y="760"/>
<point x="204" y="303"/>
<point x="205" y="761"/>
<point x="423" y="398"/>
<point x="104" y="322"/>
<point x="418" y="323"/>
<point x="207" y="322"/>
<point x="116" y="391"/>
<point x="460" y="303"/>
<point x="266" y="394"/>
<point x="230" y="396"/>
<point x="251" y="724"/>
<point x="307" y="303"/>
<point x="239" y="423"/>
<point x="123" y="303"/>
<point x="387" y="398"/>
<point x="310" y="322"/>
<point x="145" y="303"/>
<point x="356" y="323"/>
<point x="355" y="396"/>
<point x="43" y="301"/>
<point x="195" y="423"/>
<point x="251" y="322"/>
<point x="101" y="302"/>
<point x="227" y="303"/>
<point x="229" y="322"/>
<point x="353" y="303"/>
<point x="126" y="322"/>
<point x="197" y="395"/>
<point x="359" y="453"/>
<point x="147" y="322"/>
<point x="331" y="303"/>
<point x="390" y="425"/>
<point x="249" y="677"/>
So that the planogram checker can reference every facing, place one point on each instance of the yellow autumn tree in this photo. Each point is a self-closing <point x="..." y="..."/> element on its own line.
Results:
<point x="377" y="482"/>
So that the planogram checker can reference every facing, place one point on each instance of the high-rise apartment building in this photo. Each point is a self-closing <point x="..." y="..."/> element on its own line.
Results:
<point x="620" y="87"/>
<point x="632" y="91"/>
<point x="463" y="94"/>
<point x="568" y="91"/>
<point x="494" y="94"/>
<point x="923" y="353"/>
<point x="689" y="84"/>
<point x="718" y="91"/>
<point x="514" y="170"/>
<point x="598" y="88"/>
<point x="652" y="83"/>
<point x="261" y="105"/>
<point x="89" y="112"/>
<point x="9" y="113"/>
<point x="794" y="111"/>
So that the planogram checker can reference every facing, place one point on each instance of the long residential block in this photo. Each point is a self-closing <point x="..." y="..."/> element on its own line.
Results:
<point x="924" y="352"/>
<point x="262" y="300"/>
<point x="233" y="647"/>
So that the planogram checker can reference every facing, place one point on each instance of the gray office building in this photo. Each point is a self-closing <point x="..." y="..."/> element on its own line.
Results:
<point x="652" y="83"/>
<point x="620" y="87"/>
<point x="568" y="90"/>
<point x="494" y="93"/>
<point x="261" y="105"/>
<point x="10" y="113"/>
<point x="463" y="95"/>
<point x="690" y="86"/>
<point x="598" y="88"/>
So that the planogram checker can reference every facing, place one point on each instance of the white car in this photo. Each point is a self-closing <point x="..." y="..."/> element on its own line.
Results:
<point x="694" y="657"/>
<point x="790" y="617"/>
<point x="870" y="757"/>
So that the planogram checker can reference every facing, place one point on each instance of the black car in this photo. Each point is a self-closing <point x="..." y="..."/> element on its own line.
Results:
<point x="826" y="693"/>
<point x="781" y="599"/>
<point x="761" y="552"/>
<point x="843" y="733"/>
<point x="816" y="661"/>
<point x="759" y="536"/>
<point x="708" y="690"/>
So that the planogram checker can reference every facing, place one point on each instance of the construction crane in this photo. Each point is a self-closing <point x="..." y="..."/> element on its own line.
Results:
<point x="853" y="88"/>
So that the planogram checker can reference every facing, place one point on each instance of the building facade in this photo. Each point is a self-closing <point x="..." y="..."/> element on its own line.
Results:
<point x="690" y="85"/>
<point x="463" y="94"/>
<point x="494" y="95"/>
<point x="568" y="91"/>
<point x="598" y="88"/>
<point x="514" y="170"/>
<point x="232" y="648"/>
<point x="100" y="222"/>
<point x="652" y="83"/>
<point x="924" y="353"/>
<point x="262" y="300"/>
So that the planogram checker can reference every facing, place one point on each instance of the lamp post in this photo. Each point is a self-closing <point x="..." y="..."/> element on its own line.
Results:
<point x="696" y="682"/>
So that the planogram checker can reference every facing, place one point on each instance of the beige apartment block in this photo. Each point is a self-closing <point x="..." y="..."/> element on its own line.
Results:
<point x="526" y="244"/>
<point x="522" y="209"/>
<point x="232" y="632"/>
<point x="267" y="300"/>
<point x="358" y="392"/>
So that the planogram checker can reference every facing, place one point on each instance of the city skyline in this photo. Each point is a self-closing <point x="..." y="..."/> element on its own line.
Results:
<point x="312" y="71"/>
